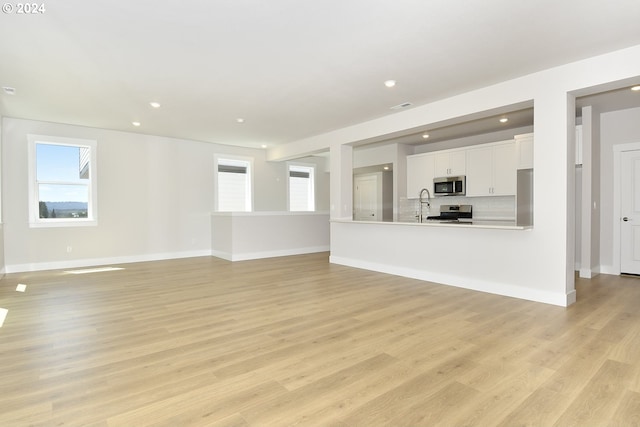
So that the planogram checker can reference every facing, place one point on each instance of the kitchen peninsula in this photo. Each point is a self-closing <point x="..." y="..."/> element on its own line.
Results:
<point x="492" y="224"/>
<point x="492" y="183"/>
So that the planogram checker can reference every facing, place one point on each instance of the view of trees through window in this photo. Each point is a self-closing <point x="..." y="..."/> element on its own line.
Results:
<point x="62" y="180"/>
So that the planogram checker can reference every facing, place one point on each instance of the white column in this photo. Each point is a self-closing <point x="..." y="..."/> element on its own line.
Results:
<point x="341" y="178"/>
<point x="554" y="185"/>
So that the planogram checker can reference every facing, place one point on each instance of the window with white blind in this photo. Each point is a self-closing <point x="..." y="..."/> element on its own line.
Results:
<point x="62" y="185"/>
<point x="233" y="184"/>
<point x="301" y="188"/>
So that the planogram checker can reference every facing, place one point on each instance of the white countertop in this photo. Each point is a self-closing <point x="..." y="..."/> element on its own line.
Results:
<point x="480" y="223"/>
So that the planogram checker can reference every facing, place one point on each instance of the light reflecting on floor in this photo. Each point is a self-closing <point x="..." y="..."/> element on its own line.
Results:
<point x="3" y="315"/>
<point x="93" y="270"/>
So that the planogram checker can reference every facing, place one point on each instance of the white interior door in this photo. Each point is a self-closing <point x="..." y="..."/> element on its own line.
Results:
<point x="366" y="204"/>
<point x="630" y="212"/>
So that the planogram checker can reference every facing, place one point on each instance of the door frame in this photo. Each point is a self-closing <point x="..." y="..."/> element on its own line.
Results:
<point x="617" y="199"/>
<point x="379" y="193"/>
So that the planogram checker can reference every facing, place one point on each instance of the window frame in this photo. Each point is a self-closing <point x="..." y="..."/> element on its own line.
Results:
<point x="92" y="187"/>
<point x="249" y="199"/>
<point x="312" y="185"/>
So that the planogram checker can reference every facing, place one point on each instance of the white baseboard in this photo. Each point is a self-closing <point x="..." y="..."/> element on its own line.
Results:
<point x="609" y="269"/>
<point x="585" y="273"/>
<point x="559" y="299"/>
<point x="268" y="254"/>
<point x="90" y="262"/>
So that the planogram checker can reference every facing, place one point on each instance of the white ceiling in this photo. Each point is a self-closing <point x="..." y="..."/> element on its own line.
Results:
<point x="290" y="68"/>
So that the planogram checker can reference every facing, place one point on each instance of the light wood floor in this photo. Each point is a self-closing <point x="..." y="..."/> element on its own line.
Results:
<point x="297" y="341"/>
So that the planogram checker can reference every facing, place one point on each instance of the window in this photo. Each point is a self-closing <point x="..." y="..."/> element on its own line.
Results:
<point x="301" y="188"/>
<point x="62" y="187"/>
<point x="233" y="184"/>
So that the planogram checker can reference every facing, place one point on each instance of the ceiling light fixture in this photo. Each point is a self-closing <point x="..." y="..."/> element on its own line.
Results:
<point x="425" y="135"/>
<point x="240" y="120"/>
<point x="390" y="83"/>
<point x="386" y="168"/>
<point x="155" y="104"/>
<point x="504" y="120"/>
<point x="136" y="123"/>
<point x="264" y="146"/>
<point x="636" y="88"/>
<point x="9" y="90"/>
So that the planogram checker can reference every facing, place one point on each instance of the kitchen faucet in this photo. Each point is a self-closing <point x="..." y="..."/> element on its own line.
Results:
<point x="428" y="202"/>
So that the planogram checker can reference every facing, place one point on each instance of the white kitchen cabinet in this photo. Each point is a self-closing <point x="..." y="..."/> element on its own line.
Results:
<point x="450" y="163"/>
<point x="491" y="170"/>
<point x="524" y="150"/>
<point x="420" y="174"/>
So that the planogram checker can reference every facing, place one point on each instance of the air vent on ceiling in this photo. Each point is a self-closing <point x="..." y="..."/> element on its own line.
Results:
<point x="9" y="90"/>
<point x="401" y="106"/>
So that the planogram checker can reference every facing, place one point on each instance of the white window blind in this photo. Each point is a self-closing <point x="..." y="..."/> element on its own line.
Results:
<point x="301" y="188"/>
<point x="234" y="185"/>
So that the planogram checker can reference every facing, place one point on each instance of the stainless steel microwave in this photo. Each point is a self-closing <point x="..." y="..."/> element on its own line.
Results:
<point x="449" y="186"/>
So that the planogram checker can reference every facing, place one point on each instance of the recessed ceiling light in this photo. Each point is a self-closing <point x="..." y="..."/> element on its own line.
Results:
<point x="9" y="90"/>
<point x="386" y="168"/>
<point x="136" y="123"/>
<point x="390" y="83"/>
<point x="155" y="104"/>
<point x="636" y="88"/>
<point x="504" y="120"/>
<point x="425" y="135"/>
<point x="264" y="146"/>
<point x="240" y="120"/>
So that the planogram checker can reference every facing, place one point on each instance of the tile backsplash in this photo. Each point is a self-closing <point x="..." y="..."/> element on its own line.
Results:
<point x="495" y="207"/>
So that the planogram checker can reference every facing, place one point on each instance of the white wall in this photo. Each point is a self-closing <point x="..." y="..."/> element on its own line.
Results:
<point x="617" y="127"/>
<point x="238" y="236"/>
<point x="155" y="197"/>
<point x="2" y="263"/>
<point x="468" y="141"/>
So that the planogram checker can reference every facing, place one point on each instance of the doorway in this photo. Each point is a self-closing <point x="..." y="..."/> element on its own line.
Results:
<point x="367" y="197"/>
<point x="629" y="218"/>
<point x="373" y="196"/>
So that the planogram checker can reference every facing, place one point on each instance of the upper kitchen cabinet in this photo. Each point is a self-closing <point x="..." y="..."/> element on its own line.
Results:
<point x="491" y="170"/>
<point x="450" y="163"/>
<point x="524" y="150"/>
<point x="420" y="174"/>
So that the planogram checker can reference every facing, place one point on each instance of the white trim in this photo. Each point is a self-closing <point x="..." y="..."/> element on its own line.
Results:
<point x="269" y="254"/>
<point x="90" y="262"/>
<point x="585" y="273"/>
<point x="250" y="173"/>
<point x="312" y="183"/>
<point x="92" y="205"/>
<point x="607" y="269"/>
<point x="503" y="289"/>
<point x="617" y="198"/>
